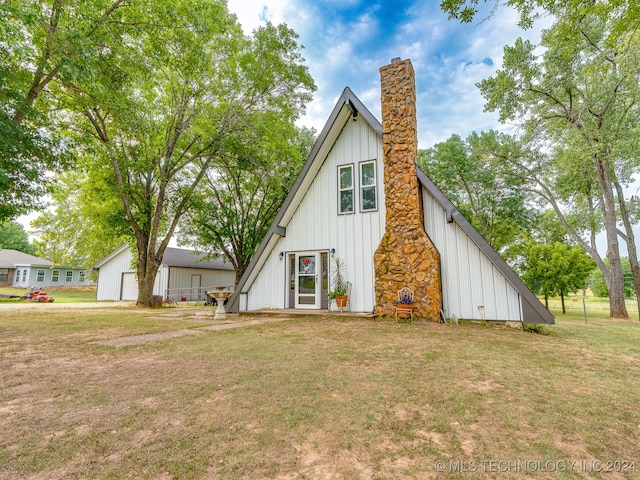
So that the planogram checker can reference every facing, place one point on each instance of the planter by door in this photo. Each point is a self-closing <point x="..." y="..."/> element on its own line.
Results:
<point x="341" y="301"/>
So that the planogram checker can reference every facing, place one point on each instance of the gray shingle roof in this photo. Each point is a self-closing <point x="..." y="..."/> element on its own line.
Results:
<point x="11" y="258"/>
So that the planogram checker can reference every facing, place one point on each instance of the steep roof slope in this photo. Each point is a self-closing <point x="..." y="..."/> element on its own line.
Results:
<point x="533" y="310"/>
<point x="346" y="106"/>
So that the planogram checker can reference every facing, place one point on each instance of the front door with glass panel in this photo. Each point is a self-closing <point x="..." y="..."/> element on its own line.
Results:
<point x="308" y="280"/>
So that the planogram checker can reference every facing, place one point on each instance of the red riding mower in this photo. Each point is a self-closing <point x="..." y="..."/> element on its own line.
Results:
<point x="38" y="296"/>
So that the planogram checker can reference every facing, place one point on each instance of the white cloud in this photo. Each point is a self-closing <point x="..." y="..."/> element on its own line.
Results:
<point x="449" y="58"/>
<point x="250" y="13"/>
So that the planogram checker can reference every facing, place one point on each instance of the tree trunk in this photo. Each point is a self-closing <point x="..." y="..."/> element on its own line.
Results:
<point x="615" y="278"/>
<point x="240" y="263"/>
<point x="564" y="310"/>
<point x="148" y="265"/>
<point x="630" y="240"/>
<point x="617" y="307"/>
<point x="239" y="273"/>
<point x="145" y="288"/>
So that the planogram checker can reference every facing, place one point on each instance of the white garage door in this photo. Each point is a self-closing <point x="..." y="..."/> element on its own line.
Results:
<point x="129" y="286"/>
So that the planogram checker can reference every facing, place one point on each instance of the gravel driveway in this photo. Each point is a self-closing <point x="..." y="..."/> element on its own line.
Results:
<point x="24" y="305"/>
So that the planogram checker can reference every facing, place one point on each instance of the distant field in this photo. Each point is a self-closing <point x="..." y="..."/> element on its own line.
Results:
<point x="595" y="304"/>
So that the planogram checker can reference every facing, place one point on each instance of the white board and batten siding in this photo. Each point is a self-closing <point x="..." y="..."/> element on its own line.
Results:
<point x="316" y="225"/>
<point x="473" y="274"/>
<point x="469" y="278"/>
<point x="117" y="277"/>
<point x="112" y="275"/>
<point x="181" y="277"/>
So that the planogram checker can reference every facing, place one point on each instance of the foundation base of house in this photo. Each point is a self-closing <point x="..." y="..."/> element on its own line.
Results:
<point x="296" y="313"/>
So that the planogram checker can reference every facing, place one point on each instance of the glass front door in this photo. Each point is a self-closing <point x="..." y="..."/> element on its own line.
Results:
<point x="308" y="281"/>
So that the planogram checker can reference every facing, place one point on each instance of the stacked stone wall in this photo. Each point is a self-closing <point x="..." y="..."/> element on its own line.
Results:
<point x="406" y="256"/>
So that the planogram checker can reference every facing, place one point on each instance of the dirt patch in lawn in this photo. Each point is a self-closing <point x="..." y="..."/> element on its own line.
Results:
<point x="313" y="397"/>
<point x="156" y="337"/>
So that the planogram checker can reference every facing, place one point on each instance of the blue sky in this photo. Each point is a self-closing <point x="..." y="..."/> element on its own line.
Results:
<point x="347" y="41"/>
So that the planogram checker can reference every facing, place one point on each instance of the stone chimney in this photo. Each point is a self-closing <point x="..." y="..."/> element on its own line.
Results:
<point x="406" y="257"/>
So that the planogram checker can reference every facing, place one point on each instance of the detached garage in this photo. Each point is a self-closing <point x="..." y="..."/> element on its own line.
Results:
<point x="183" y="275"/>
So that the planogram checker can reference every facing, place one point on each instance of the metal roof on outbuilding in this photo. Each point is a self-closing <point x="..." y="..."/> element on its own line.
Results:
<point x="178" y="257"/>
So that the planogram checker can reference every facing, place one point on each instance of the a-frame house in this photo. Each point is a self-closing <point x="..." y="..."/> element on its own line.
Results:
<point x="360" y="196"/>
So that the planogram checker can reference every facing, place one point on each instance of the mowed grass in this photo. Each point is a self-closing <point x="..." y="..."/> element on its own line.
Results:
<point x="59" y="294"/>
<point x="317" y="398"/>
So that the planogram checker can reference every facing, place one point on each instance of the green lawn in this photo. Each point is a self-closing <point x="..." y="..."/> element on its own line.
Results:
<point x="315" y="398"/>
<point x="60" y="295"/>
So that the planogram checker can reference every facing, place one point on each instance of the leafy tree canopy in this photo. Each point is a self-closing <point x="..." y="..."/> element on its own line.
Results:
<point x="14" y="237"/>
<point x="42" y="42"/>
<point x="85" y="221"/>
<point x="626" y="12"/>
<point x="244" y="190"/>
<point x="466" y="171"/>
<point x="556" y="269"/>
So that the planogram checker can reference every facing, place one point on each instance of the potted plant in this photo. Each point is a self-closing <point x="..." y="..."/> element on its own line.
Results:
<point x="339" y="285"/>
<point x="404" y="305"/>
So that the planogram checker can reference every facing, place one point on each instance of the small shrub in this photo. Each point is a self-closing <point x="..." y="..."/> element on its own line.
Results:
<point x="535" y="328"/>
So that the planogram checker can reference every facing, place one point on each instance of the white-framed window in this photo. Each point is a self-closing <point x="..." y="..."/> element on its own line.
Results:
<point x="69" y="276"/>
<point x="18" y="276"/>
<point x="40" y="275"/>
<point x="81" y="276"/>
<point x="55" y="276"/>
<point x="368" y="186"/>
<point x="345" y="189"/>
<point x="4" y="274"/>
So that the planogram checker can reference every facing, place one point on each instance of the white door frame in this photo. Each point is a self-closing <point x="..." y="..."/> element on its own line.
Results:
<point x="305" y="281"/>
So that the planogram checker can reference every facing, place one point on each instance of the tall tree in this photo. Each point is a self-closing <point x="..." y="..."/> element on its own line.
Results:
<point x="244" y="190"/>
<point x="14" y="237"/>
<point x="599" y="286"/>
<point x="556" y="270"/>
<point x="577" y="103"/>
<point x="463" y="169"/>
<point x="86" y="220"/>
<point x="41" y="42"/>
<point x="161" y="104"/>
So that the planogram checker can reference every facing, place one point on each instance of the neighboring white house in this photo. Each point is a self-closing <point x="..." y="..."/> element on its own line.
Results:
<point x="21" y="270"/>
<point x="337" y="208"/>
<point x="183" y="275"/>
